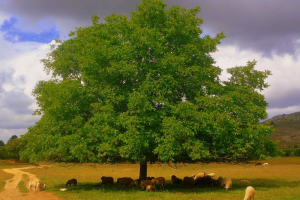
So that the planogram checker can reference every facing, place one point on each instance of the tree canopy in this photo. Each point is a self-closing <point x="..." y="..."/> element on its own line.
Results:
<point x="146" y="89"/>
<point x="13" y="137"/>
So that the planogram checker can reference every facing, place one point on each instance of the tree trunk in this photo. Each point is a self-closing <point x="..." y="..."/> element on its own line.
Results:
<point x="143" y="170"/>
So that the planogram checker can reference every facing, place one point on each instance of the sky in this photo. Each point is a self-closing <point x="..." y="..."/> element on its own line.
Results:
<point x="266" y="31"/>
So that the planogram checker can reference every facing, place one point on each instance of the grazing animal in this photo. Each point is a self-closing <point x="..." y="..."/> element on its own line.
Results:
<point x="36" y="185"/>
<point x="227" y="182"/>
<point x="159" y="181"/>
<point x="257" y="164"/>
<point x="211" y="175"/>
<point x="71" y="181"/>
<point x="150" y="188"/>
<point x="215" y="182"/>
<point x="176" y="180"/>
<point x="220" y="181"/>
<point x="249" y="193"/>
<point x="124" y="181"/>
<point x="63" y="189"/>
<point x="134" y="183"/>
<point x="200" y="175"/>
<point x="145" y="183"/>
<point x="188" y="181"/>
<point x="107" y="180"/>
<point x="149" y="178"/>
<point x="265" y="164"/>
<point x="206" y="181"/>
<point x="243" y="181"/>
<point x="32" y="185"/>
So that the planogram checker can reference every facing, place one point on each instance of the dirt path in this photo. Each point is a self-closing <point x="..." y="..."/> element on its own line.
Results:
<point x="11" y="192"/>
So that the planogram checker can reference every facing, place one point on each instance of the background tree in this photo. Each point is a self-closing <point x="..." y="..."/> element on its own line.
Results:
<point x="146" y="89"/>
<point x="1" y="143"/>
<point x="12" y="149"/>
<point x="13" y="137"/>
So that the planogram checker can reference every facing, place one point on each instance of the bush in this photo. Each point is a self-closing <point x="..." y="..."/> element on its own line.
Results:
<point x="287" y="152"/>
<point x="297" y="152"/>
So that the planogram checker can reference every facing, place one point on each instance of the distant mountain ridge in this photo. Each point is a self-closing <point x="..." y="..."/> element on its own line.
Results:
<point x="287" y="130"/>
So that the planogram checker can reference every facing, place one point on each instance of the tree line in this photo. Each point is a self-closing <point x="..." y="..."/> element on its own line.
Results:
<point x="12" y="149"/>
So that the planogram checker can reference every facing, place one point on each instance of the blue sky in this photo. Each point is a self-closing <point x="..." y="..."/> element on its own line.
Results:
<point x="12" y="33"/>
<point x="267" y="31"/>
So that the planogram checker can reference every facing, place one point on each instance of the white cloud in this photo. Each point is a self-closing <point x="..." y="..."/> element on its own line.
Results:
<point x="20" y="70"/>
<point x="284" y="92"/>
<point x="5" y="134"/>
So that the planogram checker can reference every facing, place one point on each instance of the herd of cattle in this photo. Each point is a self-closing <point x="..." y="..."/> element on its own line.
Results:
<point x="151" y="183"/>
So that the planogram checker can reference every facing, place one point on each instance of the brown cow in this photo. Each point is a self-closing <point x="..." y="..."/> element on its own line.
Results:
<point x="145" y="183"/>
<point x="134" y="183"/>
<point x="150" y="188"/>
<point x="107" y="180"/>
<point x="124" y="181"/>
<point x="176" y="180"/>
<point x="71" y="181"/>
<point x="188" y="180"/>
<point x="159" y="181"/>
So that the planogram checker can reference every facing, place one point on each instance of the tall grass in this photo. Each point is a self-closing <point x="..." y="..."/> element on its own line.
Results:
<point x="278" y="181"/>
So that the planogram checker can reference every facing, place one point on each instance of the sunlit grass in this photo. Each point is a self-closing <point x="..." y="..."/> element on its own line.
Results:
<point x="22" y="185"/>
<point x="278" y="181"/>
<point x="7" y="164"/>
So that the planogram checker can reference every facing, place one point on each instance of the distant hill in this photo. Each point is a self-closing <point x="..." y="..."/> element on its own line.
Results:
<point x="287" y="130"/>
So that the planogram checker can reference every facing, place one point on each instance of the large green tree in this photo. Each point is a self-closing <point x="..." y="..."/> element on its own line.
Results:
<point x="146" y="89"/>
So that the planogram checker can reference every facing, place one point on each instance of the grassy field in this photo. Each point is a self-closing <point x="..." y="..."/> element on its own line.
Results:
<point x="23" y="183"/>
<point x="278" y="181"/>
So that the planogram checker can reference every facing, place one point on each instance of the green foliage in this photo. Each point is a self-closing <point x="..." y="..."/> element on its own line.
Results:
<point x="288" y="152"/>
<point x="2" y="153"/>
<point x="13" y="137"/>
<point x="297" y="152"/>
<point x="1" y="143"/>
<point x="146" y="89"/>
<point x="12" y="149"/>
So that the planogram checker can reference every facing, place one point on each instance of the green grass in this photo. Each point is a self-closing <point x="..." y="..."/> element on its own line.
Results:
<point x="22" y="185"/>
<point x="279" y="181"/>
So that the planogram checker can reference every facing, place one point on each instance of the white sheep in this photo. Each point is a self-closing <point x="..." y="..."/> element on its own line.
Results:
<point x="211" y="175"/>
<point x="249" y="193"/>
<point x="227" y="183"/>
<point x="32" y="185"/>
<point x="265" y="164"/>
<point x="201" y="174"/>
<point x="37" y="185"/>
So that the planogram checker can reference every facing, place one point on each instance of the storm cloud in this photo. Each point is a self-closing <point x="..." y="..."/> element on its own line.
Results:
<point x="18" y="102"/>
<point x="270" y="26"/>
